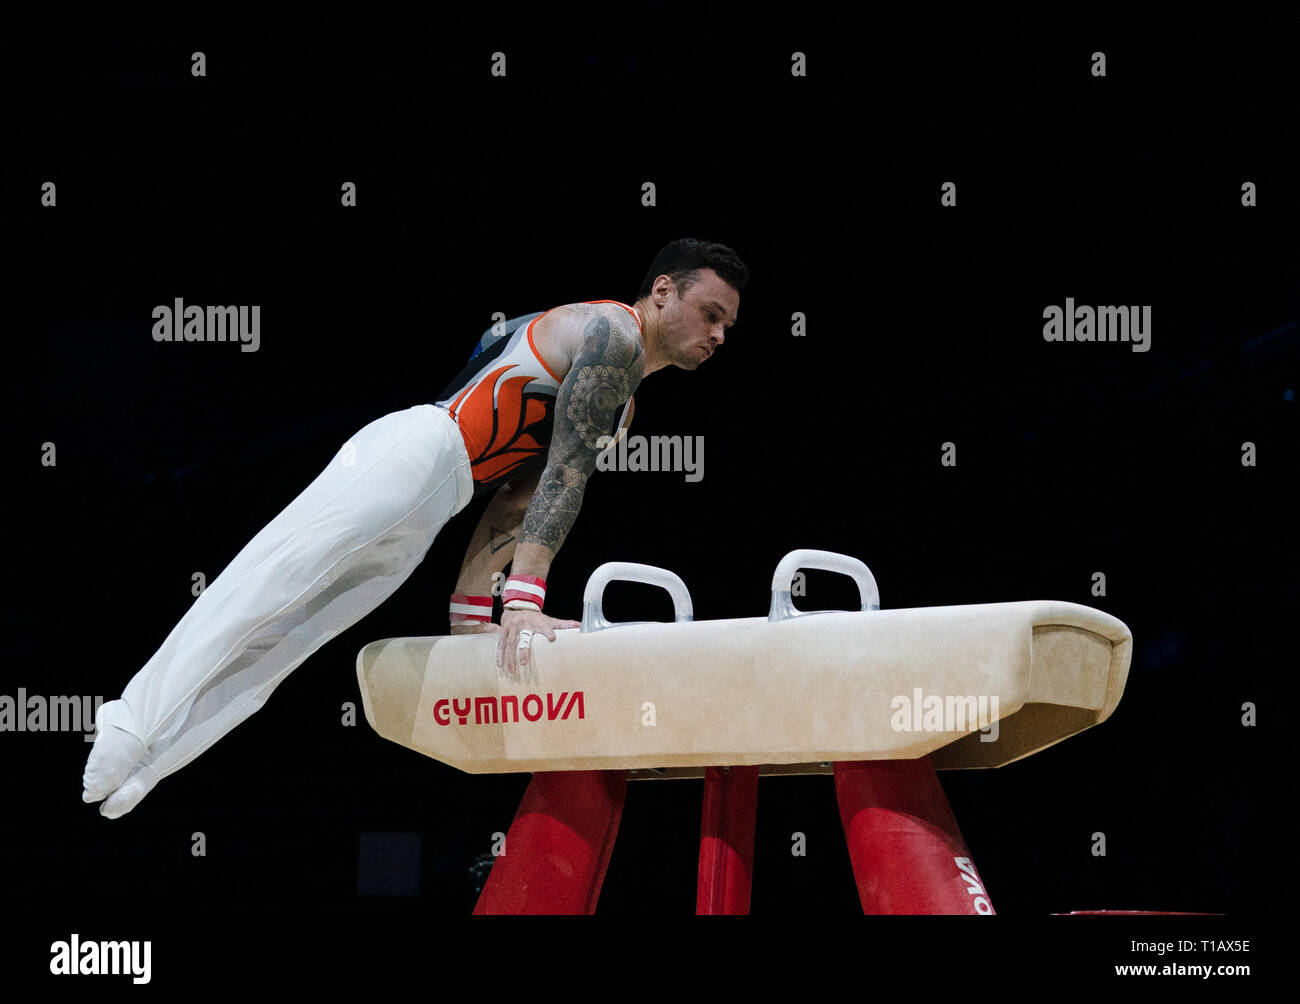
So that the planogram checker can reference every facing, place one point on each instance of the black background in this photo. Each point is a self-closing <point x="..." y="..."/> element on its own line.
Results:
<point x="479" y="194"/>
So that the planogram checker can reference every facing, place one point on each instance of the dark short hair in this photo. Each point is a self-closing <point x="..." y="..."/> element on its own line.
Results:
<point x="681" y="259"/>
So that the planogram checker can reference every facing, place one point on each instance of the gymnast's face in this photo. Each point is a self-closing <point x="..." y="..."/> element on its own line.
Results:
<point x="694" y="324"/>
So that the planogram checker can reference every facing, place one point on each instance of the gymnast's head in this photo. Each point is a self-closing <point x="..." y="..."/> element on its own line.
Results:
<point x="690" y="296"/>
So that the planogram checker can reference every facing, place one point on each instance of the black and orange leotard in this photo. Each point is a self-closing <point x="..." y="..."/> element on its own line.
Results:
<point x="504" y="402"/>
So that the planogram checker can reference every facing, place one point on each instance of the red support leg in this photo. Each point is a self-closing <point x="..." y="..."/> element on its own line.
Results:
<point x="558" y="847"/>
<point x="907" y="852"/>
<point x="727" y="840"/>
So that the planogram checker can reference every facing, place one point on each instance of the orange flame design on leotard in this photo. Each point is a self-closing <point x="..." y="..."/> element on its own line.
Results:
<point x="499" y="439"/>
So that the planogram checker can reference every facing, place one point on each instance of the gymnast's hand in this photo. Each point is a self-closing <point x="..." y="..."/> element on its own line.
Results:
<point x="517" y="630"/>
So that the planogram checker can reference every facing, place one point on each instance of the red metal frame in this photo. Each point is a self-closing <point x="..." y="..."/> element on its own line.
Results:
<point x="558" y="846"/>
<point x="727" y="840"/>
<point x="907" y="852"/>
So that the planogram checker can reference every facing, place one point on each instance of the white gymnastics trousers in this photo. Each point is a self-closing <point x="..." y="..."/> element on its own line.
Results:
<point x="339" y="550"/>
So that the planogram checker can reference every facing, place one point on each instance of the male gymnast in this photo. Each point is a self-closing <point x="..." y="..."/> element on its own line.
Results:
<point x="524" y="419"/>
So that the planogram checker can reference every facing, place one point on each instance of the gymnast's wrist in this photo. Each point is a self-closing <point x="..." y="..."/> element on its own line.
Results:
<point x="524" y="592"/>
<point x="469" y="609"/>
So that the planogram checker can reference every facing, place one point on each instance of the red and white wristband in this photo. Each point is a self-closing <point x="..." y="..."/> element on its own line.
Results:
<point x="466" y="609"/>
<point x="525" y="592"/>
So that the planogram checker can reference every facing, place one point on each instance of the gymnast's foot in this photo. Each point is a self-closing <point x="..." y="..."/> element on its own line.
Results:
<point x="115" y="769"/>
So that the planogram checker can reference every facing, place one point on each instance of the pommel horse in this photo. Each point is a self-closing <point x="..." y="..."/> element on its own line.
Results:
<point x="881" y="699"/>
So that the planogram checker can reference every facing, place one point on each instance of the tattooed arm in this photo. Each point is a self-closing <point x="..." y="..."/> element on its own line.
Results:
<point x="605" y="372"/>
<point x="493" y="545"/>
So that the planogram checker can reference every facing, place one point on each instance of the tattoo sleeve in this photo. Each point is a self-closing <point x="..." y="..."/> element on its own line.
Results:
<point x="605" y="372"/>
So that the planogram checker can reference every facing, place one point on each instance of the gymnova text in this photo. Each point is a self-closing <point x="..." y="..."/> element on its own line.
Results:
<point x="488" y="712"/>
<point x="655" y="453"/>
<point x="102" y="958"/>
<point x="33" y="713"/>
<point x="953" y="713"/>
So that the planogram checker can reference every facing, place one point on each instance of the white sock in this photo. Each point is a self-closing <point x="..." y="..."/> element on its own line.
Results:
<point x="127" y="797"/>
<point x="116" y="752"/>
